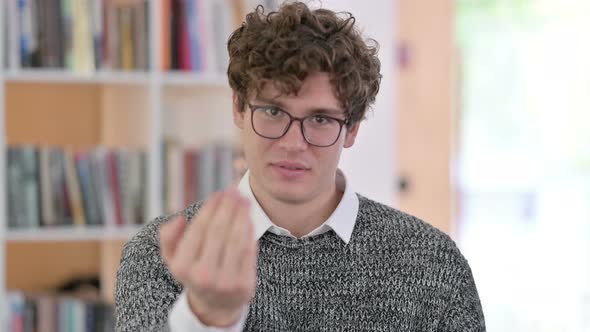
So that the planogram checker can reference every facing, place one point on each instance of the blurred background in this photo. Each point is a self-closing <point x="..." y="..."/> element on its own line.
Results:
<point x="116" y="111"/>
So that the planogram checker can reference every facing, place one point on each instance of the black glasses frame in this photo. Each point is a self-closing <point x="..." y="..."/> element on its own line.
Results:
<point x="254" y="108"/>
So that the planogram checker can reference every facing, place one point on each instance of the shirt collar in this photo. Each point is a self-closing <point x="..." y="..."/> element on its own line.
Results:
<point x="342" y="220"/>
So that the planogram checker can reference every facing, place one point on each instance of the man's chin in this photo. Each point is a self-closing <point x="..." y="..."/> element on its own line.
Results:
<point x="291" y="196"/>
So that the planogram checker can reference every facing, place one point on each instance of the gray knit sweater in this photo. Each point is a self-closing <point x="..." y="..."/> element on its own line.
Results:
<point x="397" y="273"/>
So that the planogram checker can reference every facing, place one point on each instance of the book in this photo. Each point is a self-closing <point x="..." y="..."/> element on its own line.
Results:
<point x="207" y="172"/>
<point x="195" y="33"/>
<point x="192" y="174"/>
<point x="59" y="191"/>
<point x="222" y="27"/>
<point x="175" y="178"/>
<point x="26" y="36"/>
<point x="114" y="183"/>
<point x="49" y="186"/>
<point x="193" y="26"/>
<point x="78" y="35"/>
<point x="224" y="156"/>
<point x="67" y="33"/>
<point x="16" y="307"/>
<point x="29" y="184"/>
<point x="140" y="34"/>
<point x="191" y="162"/>
<point x="48" y="213"/>
<point x="47" y="313"/>
<point x="125" y="18"/>
<point x="83" y="39"/>
<point x="95" y="12"/>
<point x="88" y="188"/>
<point x="13" y="28"/>
<point x="13" y="190"/>
<point x="73" y="187"/>
<point x="184" y="51"/>
<point x="166" y="33"/>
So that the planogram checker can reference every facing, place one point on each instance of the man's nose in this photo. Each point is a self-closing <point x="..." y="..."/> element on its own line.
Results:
<point x="293" y="138"/>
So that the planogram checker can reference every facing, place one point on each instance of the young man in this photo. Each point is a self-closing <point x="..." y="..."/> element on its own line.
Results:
<point x="293" y="248"/>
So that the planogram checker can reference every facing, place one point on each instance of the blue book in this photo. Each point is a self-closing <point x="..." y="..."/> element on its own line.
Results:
<point x="24" y="42"/>
<point x="192" y="17"/>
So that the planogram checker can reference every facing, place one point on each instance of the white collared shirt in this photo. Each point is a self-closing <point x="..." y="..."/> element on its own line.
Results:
<point x="342" y="221"/>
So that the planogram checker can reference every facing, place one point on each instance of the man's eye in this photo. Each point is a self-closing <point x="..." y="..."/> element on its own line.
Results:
<point x="320" y="119"/>
<point x="272" y="112"/>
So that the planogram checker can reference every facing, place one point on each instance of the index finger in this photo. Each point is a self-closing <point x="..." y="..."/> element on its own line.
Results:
<point x="170" y="232"/>
<point x="190" y="244"/>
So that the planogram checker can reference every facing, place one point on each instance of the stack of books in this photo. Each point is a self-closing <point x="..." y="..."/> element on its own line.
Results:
<point x="195" y="33"/>
<point x="49" y="186"/>
<point x="80" y="35"/>
<point x="191" y="175"/>
<point x="54" y="313"/>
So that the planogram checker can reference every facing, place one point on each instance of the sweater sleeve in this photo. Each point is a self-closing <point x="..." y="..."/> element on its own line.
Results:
<point x="464" y="313"/>
<point x="145" y="290"/>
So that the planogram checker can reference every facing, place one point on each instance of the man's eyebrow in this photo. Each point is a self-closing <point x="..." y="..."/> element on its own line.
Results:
<point x="327" y="111"/>
<point x="318" y="110"/>
<point x="269" y="101"/>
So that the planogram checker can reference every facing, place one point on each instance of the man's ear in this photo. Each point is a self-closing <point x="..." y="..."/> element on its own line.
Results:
<point x="237" y="113"/>
<point x="351" y="134"/>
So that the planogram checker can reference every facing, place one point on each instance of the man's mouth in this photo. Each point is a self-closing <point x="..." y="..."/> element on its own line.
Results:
<point x="290" y="169"/>
<point x="291" y="165"/>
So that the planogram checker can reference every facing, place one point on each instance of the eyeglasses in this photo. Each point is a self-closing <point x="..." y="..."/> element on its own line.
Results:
<point x="317" y="130"/>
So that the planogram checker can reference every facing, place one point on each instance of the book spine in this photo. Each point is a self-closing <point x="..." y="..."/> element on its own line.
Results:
<point x="67" y="33"/>
<point x="30" y="186"/>
<point x="126" y="52"/>
<point x="48" y="216"/>
<point x="115" y="187"/>
<point x="166" y="13"/>
<point x="73" y="185"/>
<point x="140" y="35"/>
<point x="87" y="190"/>
<point x="207" y="177"/>
<point x="190" y="194"/>
<point x="12" y="15"/>
<point x="97" y="31"/>
<point x="12" y="177"/>
<point x="193" y="34"/>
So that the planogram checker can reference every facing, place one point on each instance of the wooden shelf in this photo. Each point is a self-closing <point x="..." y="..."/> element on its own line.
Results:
<point x="71" y="233"/>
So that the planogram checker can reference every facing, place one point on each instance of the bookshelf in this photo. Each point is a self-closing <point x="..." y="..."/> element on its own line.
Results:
<point x="109" y="107"/>
<point x="120" y="109"/>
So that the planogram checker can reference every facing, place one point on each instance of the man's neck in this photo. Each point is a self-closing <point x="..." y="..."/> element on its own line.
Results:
<point x="302" y="218"/>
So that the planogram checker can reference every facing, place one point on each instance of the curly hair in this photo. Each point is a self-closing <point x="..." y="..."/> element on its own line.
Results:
<point x="287" y="45"/>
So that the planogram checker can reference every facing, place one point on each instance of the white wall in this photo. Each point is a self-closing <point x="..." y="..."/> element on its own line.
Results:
<point x="371" y="163"/>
